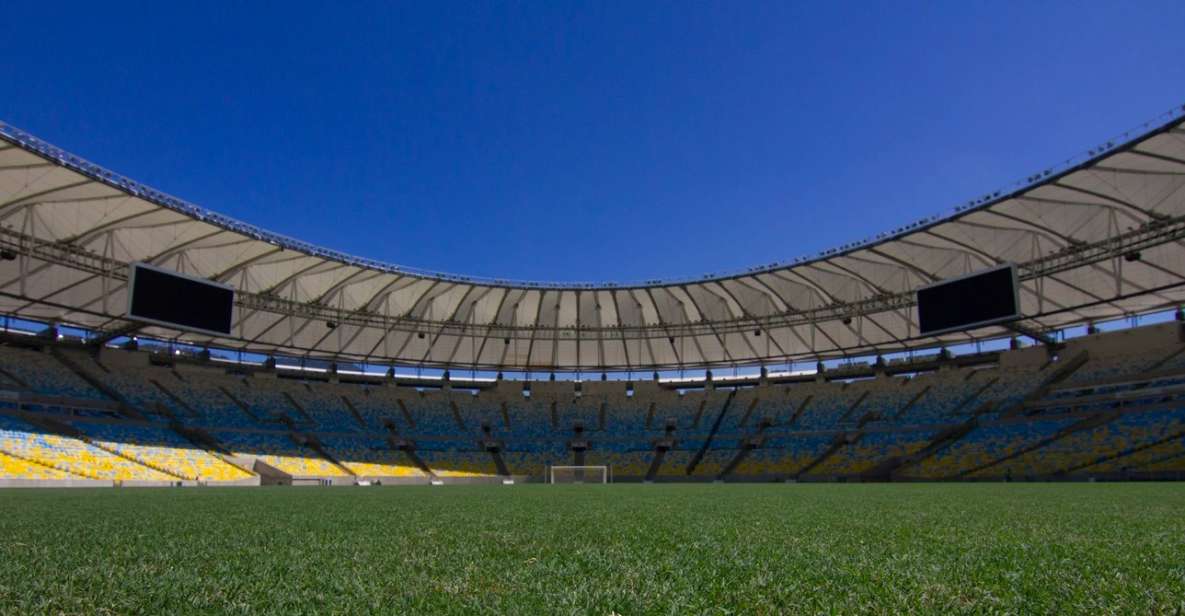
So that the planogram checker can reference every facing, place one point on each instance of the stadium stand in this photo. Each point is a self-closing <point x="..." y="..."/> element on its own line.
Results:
<point x="1118" y="411"/>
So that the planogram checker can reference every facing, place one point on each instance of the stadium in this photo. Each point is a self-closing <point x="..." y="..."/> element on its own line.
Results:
<point x="285" y="363"/>
<point x="981" y="411"/>
<point x="150" y="342"/>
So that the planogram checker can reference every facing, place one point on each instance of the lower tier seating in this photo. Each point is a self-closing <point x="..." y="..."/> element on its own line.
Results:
<point x="22" y="440"/>
<point x="17" y="468"/>
<point x="161" y="448"/>
<point x="370" y="457"/>
<point x="279" y="451"/>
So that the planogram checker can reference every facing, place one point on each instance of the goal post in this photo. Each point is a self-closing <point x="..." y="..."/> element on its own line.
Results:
<point x="579" y="474"/>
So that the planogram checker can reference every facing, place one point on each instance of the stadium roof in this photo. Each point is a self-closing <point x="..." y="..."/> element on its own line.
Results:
<point x="1094" y="239"/>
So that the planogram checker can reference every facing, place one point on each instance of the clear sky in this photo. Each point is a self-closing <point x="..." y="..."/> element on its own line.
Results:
<point x="585" y="142"/>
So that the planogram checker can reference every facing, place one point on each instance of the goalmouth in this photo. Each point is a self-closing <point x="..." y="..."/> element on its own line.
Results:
<point x="579" y="474"/>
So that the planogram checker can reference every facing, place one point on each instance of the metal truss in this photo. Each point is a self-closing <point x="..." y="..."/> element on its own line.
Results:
<point x="1150" y="235"/>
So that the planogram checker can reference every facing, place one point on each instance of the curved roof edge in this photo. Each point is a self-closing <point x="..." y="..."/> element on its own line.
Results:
<point x="163" y="199"/>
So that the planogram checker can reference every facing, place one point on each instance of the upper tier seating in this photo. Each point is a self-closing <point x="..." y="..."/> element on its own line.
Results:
<point x="433" y="415"/>
<point x="482" y="410"/>
<point x="828" y="411"/>
<point x="266" y="400"/>
<point x="1104" y="368"/>
<point x="319" y="403"/>
<point x="626" y="416"/>
<point x="207" y="395"/>
<point x="944" y="396"/>
<point x="890" y="397"/>
<point x="377" y="405"/>
<point x="135" y="385"/>
<point x="44" y="374"/>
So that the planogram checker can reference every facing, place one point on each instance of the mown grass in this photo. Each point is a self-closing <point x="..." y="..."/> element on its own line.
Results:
<point x="625" y="549"/>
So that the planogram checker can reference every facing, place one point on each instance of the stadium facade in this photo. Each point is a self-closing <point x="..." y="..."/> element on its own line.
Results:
<point x="1097" y="239"/>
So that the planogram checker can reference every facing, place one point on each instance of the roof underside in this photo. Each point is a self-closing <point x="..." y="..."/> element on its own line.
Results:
<point x="75" y="227"/>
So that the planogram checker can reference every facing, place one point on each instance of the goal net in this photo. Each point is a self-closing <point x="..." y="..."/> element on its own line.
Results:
<point x="578" y="474"/>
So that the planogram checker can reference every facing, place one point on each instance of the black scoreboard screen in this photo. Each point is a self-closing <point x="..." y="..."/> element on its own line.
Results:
<point x="982" y="298"/>
<point x="176" y="300"/>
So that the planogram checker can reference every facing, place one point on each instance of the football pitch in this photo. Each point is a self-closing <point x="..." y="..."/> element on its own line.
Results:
<point x="597" y="549"/>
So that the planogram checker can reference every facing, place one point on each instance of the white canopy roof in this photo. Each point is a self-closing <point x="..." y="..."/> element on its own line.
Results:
<point x="74" y="227"/>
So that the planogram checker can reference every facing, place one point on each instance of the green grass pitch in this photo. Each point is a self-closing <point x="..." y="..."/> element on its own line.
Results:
<point x="625" y="549"/>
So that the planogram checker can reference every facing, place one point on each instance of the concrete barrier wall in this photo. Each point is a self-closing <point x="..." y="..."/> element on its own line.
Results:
<point x="527" y="479"/>
<point x="55" y="483"/>
<point x="249" y="482"/>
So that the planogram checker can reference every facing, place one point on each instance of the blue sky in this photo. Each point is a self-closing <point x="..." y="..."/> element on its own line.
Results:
<point x="586" y="142"/>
